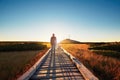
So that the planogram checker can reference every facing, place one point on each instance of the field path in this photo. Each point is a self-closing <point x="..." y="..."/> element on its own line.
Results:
<point x="57" y="66"/>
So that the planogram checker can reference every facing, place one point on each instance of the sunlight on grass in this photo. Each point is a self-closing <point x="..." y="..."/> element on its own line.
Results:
<point x="106" y="68"/>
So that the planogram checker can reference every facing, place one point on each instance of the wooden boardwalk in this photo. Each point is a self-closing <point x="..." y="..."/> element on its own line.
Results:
<point x="57" y="66"/>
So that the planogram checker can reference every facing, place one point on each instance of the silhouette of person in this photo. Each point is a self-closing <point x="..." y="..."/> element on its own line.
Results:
<point x="53" y="41"/>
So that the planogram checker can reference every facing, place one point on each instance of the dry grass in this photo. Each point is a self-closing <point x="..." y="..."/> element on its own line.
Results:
<point x="15" y="63"/>
<point x="105" y="68"/>
<point x="47" y="44"/>
<point x="18" y="57"/>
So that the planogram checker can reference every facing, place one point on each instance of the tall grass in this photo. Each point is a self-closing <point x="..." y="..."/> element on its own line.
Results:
<point x="109" y="53"/>
<point x="18" y="57"/>
<point x="14" y="64"/>
<point x="108" y="49"/>
<point x="106" y="68"/>
<point x="107" y="46"/>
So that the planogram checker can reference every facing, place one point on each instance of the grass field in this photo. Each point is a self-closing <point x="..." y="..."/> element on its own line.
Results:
<point x="18" y="59"/>
<point x="106" y="46"/>
<point x="22" y="46"/>
<point x="108" y="49"/>
<point x="104" y="67"/>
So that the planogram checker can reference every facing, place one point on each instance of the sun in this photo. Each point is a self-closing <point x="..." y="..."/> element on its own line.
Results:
<point x="59" y="28"/>
<point x="59" y="40"/>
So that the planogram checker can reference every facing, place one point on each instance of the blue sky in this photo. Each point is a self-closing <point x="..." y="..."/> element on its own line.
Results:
<point x="83" y="20"/>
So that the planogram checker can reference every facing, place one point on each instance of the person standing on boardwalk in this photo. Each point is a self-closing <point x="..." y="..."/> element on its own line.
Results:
<point x="53" y="42"/>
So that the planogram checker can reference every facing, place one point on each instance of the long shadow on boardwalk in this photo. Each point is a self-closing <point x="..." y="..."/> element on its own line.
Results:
<point x="57" y="66"/>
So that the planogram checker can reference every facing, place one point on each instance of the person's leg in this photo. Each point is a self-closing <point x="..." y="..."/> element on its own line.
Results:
<point x="51" y="48"/>
<point x="54" y="49"/>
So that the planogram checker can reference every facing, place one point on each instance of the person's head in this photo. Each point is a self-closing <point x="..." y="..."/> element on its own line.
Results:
<point x="53" y="34"/>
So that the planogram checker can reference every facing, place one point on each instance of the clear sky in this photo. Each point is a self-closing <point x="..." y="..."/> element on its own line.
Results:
<point x="83" y="20"/>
